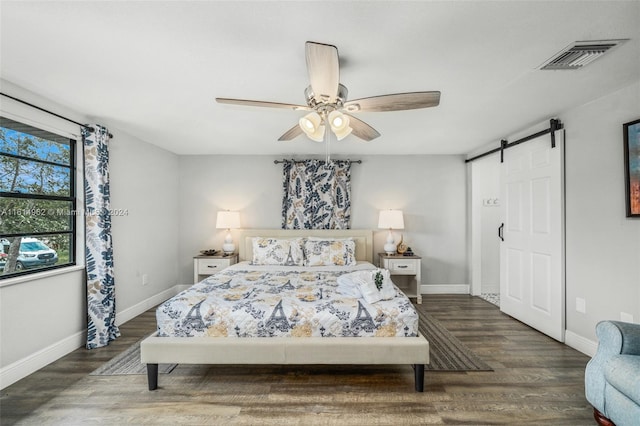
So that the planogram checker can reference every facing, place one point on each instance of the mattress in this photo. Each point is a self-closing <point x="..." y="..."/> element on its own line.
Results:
<point x="246" y="300"/>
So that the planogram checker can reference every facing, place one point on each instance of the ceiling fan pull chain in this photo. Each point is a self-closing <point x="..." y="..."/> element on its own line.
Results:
<point x="327" y="133"/>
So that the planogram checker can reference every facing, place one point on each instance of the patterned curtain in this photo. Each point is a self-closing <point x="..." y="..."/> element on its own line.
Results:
<point x="101" y="302"/>
<point x="317" y="195"/>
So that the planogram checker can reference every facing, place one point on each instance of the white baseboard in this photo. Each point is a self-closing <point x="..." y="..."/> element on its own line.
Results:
<point x="579" y="343"/>
<point x="27" y="365"/>
<point x="135" y="310"/>
<point x="445" y="289"/>
<point x="32" y="363"/>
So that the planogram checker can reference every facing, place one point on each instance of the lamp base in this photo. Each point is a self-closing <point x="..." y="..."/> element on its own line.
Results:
<point x="228" y="248"/>
<point x="390" y="248"/>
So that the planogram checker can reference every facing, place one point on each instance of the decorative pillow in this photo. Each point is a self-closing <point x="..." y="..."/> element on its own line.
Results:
<point x="330" y="251"/>
<point x="274" y="251"/>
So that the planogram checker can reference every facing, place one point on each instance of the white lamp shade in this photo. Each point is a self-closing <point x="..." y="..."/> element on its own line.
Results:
<point x="311" y="125"/>
<point x="339" y="124"/>
<point x="228" y="220"/>
<point x="391" y="219"/>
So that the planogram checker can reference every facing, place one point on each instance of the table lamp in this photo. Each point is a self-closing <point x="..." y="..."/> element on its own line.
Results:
<point x="228" y="220"/>
<point x="390" y="219"/>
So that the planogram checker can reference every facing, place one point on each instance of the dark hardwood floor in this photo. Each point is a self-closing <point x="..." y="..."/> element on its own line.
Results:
<point x="536" y="381"/>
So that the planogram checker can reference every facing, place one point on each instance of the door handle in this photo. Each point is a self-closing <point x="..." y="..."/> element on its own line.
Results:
<point x="500" y="231"/>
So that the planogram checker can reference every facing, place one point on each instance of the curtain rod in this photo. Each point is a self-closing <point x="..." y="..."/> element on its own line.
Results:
<point x="302" y="161"/>
<point x="91" y="129"/>
<point x="554" y="124"/>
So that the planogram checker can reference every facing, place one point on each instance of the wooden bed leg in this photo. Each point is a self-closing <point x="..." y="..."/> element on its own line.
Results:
<point x="419" y="375"/>
<point x="152" y="376"/>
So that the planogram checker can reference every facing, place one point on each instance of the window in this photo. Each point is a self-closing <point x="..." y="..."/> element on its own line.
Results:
<point x="37" y="199"/>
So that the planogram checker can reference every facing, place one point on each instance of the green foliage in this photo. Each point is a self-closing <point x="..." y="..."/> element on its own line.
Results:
<point x="22" y="176"/>
<point x="378" y="280"/>
<point x="33" y="177"/>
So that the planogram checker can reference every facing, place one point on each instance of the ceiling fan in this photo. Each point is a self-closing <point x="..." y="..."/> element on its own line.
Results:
<point x="327" y="100"/>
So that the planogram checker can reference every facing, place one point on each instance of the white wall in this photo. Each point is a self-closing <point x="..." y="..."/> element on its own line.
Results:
<point x="429" y="189"/>
<point x="45" y="318"/>
<point x="603" y="246"/>
<point x="144" y="184"/>
<point x="485" y="181"/>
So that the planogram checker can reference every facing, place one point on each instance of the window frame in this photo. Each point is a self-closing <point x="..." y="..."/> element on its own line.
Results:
<point x="71" y="198"/>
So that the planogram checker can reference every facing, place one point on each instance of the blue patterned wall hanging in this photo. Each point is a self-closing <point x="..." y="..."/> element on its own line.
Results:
<point x="317" y="195"/>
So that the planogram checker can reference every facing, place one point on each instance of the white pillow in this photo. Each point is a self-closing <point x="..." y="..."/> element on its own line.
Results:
<point x="330" y="251"/>
<point x="276" y="251"/>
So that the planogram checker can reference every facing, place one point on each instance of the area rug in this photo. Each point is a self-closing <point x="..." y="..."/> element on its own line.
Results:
<point x="446" y="351"/>
<point x="128" y="362"/>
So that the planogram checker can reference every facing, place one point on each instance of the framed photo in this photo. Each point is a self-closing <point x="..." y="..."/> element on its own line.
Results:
<point x="632" y="167"/>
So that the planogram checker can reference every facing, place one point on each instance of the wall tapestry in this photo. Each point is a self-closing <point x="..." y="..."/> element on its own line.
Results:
<point x="101" y="301"/>
<point x="317" y="195"/>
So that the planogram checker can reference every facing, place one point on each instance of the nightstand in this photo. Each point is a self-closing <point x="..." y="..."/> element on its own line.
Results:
<point x="203" y="266"/>
<point x="409" y="266"/>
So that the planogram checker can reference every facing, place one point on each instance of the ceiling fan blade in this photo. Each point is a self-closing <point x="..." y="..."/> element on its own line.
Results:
<point x="324" y="70"/>
<point x="394" y="102"/>
<point x="362" y="129"/>
<point x="292" y="133"/>
<point x="246" y="102"/>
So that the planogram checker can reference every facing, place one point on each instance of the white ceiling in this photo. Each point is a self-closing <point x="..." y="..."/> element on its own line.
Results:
<point x="153" y="68"/>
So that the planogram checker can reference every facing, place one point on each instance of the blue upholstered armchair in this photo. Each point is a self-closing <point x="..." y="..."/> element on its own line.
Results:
<point x="612" y="377"/>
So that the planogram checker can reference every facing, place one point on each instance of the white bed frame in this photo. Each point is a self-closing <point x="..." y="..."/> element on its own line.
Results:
<point x="289" y="350"/>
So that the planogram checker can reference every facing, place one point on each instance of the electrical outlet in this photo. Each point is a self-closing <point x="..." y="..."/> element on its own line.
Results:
<point x="625" y="317"/>
<point x="145" y="279"/>
<point x="581" y="305"/>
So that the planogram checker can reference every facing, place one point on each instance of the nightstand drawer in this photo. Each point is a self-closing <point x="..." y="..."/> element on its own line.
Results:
<point x="403" y="266"/>
<point x="211" y="266"/>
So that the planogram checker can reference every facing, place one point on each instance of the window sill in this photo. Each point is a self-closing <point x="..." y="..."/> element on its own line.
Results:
<point x="40" y="275"/>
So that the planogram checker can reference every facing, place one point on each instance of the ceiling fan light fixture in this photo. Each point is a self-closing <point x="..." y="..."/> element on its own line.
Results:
<point x="339" y="124"/>
<point x="310" y="122"/>
<point x="318" y="135"/>
<point x="343" y="134"/>
<point x="311" y="125"/>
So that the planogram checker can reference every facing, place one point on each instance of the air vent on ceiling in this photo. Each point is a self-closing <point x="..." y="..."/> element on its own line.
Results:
<point x="579" y="54"/>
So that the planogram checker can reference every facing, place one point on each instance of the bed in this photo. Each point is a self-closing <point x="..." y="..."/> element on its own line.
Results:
<point x="299" y="327"/>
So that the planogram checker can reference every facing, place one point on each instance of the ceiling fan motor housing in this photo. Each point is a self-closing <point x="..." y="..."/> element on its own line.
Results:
<point x="321" y="103"/>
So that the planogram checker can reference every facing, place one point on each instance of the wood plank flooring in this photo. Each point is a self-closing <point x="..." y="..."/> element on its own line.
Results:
<point x="536" y="380"/>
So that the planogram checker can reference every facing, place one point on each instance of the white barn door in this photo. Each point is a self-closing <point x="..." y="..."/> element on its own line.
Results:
<point x="532" y="287"/>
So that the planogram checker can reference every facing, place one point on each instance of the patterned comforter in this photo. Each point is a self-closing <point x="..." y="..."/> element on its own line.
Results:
<point x="273" y="301"/>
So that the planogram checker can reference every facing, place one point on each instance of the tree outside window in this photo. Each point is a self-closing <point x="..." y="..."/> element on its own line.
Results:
<point x="37" y="199"/>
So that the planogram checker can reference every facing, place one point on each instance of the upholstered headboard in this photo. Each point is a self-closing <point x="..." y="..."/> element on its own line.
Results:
<point x="362" y="237"/>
